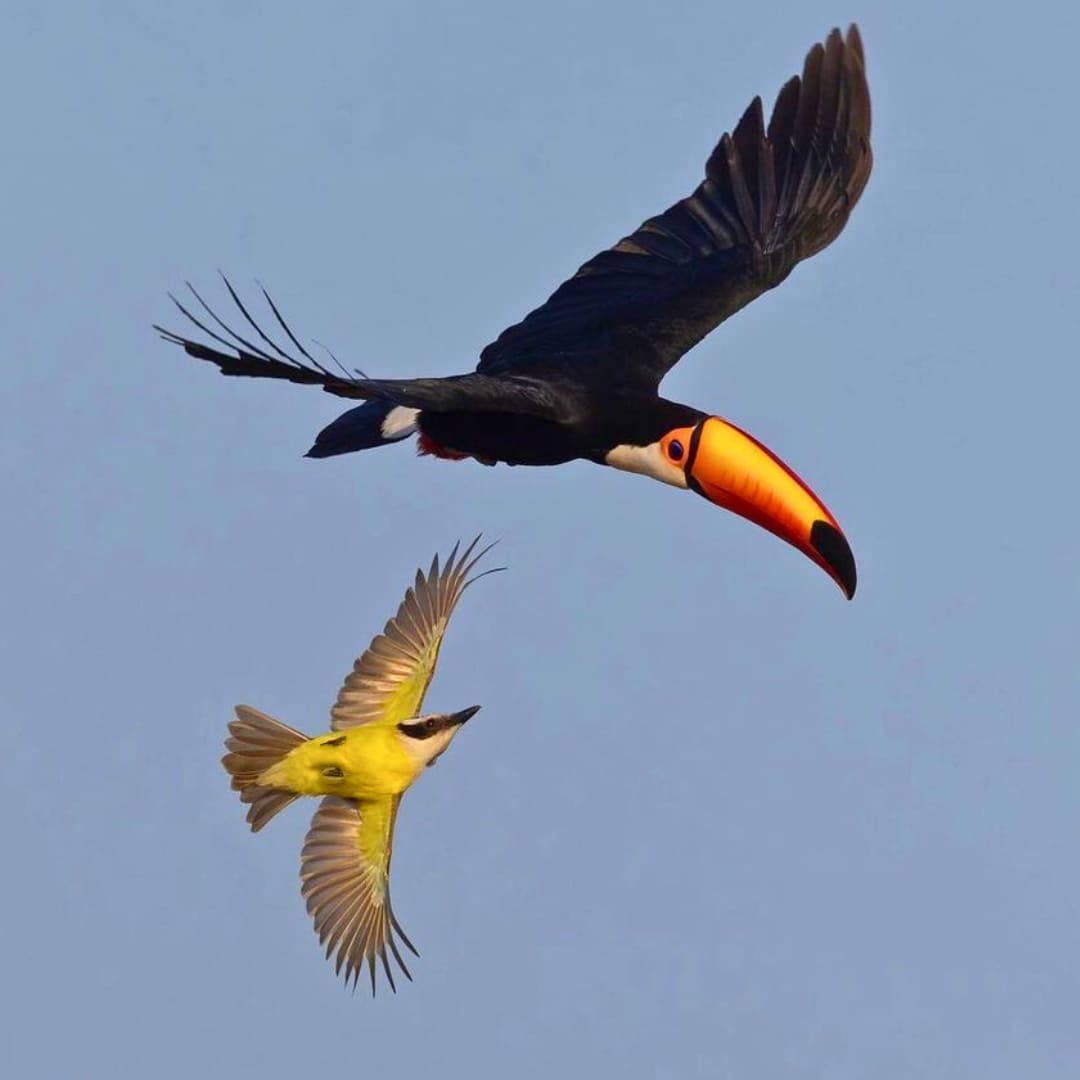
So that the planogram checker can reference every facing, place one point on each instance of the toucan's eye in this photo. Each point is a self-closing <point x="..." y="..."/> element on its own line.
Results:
<point x="332" y="772"/>
<point x="675" y="450"/>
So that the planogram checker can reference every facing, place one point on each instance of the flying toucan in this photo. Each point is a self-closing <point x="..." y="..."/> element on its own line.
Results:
<point x="579" y="376"/>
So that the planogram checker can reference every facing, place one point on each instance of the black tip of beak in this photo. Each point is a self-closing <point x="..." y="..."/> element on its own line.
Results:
<point x="830" y="544"/>
<point x="465" y="714"/>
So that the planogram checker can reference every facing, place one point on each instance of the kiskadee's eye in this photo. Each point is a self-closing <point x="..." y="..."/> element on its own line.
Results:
<point x="429" y="723"/>
<point x="332" y="772"/>
<point x="675" y="450"/>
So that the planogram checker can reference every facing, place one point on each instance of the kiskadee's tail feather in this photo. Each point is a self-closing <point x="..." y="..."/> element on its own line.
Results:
<point x="255" y="743"/>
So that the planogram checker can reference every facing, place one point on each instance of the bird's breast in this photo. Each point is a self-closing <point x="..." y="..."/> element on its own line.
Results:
<point x="513" y="439"/>
<point x="375" y="764"/>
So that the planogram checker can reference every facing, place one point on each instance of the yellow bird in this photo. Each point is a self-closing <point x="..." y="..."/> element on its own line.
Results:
<point x="377" y="747"/>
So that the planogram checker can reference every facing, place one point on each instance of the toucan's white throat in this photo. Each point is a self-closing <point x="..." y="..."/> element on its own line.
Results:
<point x="649" y="461"/>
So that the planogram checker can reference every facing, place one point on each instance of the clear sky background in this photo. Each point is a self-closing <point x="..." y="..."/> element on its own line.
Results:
<point x="713" y="820"/>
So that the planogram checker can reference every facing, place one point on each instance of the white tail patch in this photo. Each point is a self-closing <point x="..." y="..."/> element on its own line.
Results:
<point x="399" y="423"/>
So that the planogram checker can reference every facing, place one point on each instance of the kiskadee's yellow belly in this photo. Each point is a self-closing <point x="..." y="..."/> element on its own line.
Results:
<point x="367" y="762"/>
<point x="375" y="763"/>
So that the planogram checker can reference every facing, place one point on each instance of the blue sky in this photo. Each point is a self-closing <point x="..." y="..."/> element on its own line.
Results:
<point x="713" y="820"/>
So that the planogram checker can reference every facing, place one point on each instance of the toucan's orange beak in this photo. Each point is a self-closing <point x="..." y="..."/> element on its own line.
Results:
<point x="733" y="470"/>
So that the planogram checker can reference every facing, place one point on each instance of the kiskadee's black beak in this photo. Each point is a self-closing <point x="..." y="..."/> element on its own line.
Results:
<point x="458" y="718"/>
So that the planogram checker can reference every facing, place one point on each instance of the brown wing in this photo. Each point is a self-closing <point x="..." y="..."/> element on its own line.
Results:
<point x="388" y="683"/>
<point x="770" y="198"/>
<point x="345" y="880"/>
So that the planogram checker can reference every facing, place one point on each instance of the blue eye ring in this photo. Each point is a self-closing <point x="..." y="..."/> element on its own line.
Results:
<point x="675" y="450"/>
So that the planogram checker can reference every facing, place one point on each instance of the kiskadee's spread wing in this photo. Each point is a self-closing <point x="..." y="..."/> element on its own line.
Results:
<point x="345" y="880"/>
<point x="388" y="683"/>
<point x="771" y="197"/>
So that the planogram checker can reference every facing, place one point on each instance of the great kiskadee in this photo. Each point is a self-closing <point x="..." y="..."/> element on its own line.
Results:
<point x="378" y="745"/>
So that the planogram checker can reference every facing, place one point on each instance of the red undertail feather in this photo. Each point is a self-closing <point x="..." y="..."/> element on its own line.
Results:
<point x="425" y="445"/>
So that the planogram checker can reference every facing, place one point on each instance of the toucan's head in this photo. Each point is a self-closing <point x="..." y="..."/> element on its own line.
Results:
<point x="732" y="469"/>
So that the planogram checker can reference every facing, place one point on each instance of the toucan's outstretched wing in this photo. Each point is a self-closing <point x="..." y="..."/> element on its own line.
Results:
<point x="388" y="683"/>
<point x="264" y="358"/>
<point x="771" y="197"/>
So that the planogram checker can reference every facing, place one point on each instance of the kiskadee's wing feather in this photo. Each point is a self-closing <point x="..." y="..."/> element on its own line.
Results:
<point x="388" y="683"/>
<point x="345" y="881"/>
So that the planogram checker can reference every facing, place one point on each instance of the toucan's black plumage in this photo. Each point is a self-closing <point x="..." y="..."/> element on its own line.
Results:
<point x="579" y="376"/>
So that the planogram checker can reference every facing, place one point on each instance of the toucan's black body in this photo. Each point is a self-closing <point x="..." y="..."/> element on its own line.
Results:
<point x="532" y="440"/>
<point x="579" y="376"/>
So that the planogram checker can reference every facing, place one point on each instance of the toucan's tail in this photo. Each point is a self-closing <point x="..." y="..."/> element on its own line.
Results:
<point x="375" y="423"/>
<point x="255" y="743"/>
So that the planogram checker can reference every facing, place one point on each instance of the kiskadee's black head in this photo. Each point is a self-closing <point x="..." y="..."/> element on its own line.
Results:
<point x="427" y="737"/>
<point x="428" y="727"/>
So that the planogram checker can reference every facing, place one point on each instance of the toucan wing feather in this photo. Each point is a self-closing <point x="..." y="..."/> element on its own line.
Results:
<point x="262" y="359"/>
<point x="260" y="356"/>
<point x="771" y="197"/>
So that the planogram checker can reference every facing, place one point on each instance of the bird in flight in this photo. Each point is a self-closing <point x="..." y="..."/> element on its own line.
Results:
<point x="579" y="377"/>
<point x="378" y="745"/>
